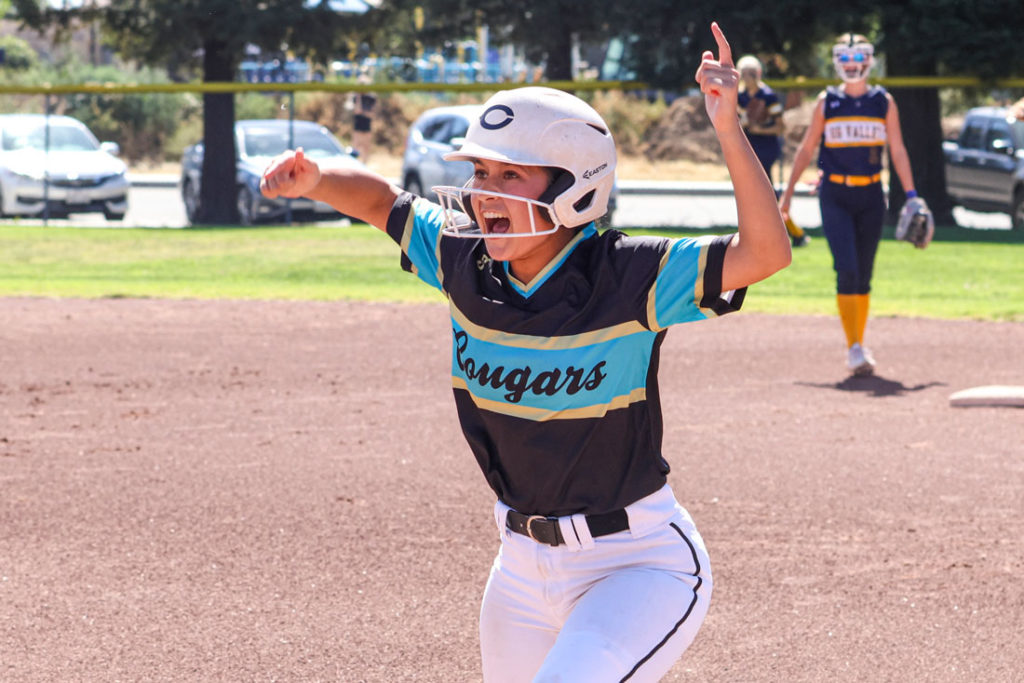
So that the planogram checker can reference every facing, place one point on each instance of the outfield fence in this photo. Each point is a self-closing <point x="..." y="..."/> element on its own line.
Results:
<point x="94" y="97"/>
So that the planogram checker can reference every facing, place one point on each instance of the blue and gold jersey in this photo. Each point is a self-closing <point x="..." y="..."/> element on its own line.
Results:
<point x="855" y="135"/>
<point x="555" y="380"/>
<point x="772" y="110"/>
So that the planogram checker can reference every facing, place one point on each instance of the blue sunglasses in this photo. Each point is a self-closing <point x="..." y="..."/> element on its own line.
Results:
<point x="856" y="57"/>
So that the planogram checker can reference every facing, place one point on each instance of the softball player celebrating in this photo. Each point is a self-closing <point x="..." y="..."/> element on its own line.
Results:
<point x="556" y="329"/>
<point x="852" y="124"/>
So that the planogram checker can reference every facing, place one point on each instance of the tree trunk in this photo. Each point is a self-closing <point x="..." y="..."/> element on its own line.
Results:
<point x="921" y="123"/>
<point x="559" y="62"/>
<point x="218" y="199"/>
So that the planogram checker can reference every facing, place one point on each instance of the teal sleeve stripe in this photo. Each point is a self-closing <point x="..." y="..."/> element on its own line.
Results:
<point x="677" y="299"/>
<point x="553" y="379"/>
<point x="422" y="248"/>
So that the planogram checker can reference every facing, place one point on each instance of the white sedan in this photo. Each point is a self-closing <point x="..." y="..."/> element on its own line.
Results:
<point x="56" y="161"/>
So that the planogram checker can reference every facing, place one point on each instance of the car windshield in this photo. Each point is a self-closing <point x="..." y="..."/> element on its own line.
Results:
<point x="268" y="142"/>
<point x="63" y="138"/>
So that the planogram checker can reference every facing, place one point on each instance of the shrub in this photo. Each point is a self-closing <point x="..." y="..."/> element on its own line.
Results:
<point x="18" y="54"/>
<point x="141" y="123"/>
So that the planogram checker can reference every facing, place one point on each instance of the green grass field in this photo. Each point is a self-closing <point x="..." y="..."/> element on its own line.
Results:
<point x="963" y="274"/>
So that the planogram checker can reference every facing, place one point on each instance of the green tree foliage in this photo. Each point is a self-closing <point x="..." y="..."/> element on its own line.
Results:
<point x="141" y="124"/>
<point x="943" y="37"/>
<point x="18" y="54"/>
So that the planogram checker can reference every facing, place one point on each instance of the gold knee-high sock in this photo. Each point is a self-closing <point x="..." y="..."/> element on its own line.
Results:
<point x="848" y="315"/>
<point x="863" y="304"/>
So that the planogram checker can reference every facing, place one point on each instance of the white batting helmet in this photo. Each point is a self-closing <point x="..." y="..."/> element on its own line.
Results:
<point x="537" y="126"/>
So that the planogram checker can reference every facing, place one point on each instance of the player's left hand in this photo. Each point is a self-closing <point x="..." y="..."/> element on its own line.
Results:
<point x="719" y="81"/>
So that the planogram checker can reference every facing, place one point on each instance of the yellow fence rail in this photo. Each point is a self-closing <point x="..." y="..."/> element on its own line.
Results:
<point x="319" y="86"/>
<point x="312" y="86"/>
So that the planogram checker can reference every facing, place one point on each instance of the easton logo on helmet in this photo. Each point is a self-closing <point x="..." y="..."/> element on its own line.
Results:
<point x="496" y="124"/>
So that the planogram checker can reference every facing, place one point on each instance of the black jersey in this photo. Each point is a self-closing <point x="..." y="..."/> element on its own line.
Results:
<point x="555" y="380"/>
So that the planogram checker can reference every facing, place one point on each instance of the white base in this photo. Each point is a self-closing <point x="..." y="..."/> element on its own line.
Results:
<point x="991" y="395"/>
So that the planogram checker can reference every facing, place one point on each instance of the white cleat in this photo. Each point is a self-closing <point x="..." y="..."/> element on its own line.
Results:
<point x="860" y="361"/>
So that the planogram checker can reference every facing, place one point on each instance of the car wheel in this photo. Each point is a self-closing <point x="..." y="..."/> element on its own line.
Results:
<point x="246" y="206"/>
<point x="190" y="196"/>
<point x="113" y="215"/>
<point x="413" y="185"/>
<point x="1017" y="211"/>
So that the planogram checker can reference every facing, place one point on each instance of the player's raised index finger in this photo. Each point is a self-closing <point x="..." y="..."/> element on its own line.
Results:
<point x="724" y="51"/>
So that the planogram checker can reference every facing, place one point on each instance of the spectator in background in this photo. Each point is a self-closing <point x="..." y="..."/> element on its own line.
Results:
<point x="1018" y="108"/>
<point x="362" y="105"/>
<point x="761" y="117"/>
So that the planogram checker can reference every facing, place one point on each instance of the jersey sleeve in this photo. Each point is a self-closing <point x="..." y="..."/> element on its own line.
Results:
<point x="415" y="225"/>
<point x="688" y="285"/>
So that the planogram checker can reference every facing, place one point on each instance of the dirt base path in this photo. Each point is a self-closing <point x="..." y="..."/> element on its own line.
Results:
<point x="229" y="491"/>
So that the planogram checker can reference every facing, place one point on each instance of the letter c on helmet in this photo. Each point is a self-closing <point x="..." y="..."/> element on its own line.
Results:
<point x="496" y="124"/>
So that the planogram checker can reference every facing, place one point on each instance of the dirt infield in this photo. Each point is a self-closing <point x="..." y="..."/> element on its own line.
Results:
<point x="252" y="491"/>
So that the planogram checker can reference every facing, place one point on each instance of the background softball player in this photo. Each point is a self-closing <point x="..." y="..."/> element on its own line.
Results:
<point x="556" y="329"/>
<point x="761" y="116"/>
<point x="851" y="125"/>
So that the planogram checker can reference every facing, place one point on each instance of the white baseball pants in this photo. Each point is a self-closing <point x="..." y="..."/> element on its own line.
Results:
<point x="622" y="607"/>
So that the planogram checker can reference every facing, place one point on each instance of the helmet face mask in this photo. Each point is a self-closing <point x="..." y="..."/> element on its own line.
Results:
<point x="853" y="61"/>
<point x="460" y="221"/>
<point x="537" y="126"/>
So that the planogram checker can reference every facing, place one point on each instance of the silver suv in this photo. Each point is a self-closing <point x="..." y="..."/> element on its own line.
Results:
<point x="435" y="133"/>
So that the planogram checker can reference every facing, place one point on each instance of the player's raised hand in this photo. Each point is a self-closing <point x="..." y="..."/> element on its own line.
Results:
<point x="289" y="175"/>
<point x="719" y="81"/>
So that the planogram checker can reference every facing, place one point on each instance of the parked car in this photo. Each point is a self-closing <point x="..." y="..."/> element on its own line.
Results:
<point x="57" y="161"/>
<point x="985" y="164"/>
<point x="257" y="142"/>
<point x="439" y="131"/>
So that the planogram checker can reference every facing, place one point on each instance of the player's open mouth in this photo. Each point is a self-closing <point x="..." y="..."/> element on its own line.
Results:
<point x="496" y="223"/>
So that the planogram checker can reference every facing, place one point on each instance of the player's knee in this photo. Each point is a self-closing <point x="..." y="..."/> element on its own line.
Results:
<point x="847" y="282"/>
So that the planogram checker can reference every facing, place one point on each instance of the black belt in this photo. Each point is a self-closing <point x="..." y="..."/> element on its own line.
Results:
<point x="546" y="529"/>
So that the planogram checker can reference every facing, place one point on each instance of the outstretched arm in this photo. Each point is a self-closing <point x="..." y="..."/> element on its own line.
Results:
<point x="804" y="153"/>
<point x="762" y="245"/>
<point x="355" y="192"/>
<point x="897" y="150"/>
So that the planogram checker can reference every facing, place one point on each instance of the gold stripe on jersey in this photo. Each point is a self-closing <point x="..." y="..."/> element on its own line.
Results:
<point x="525" y="341"/>
<point x="855" y="131"/>
<point x="698" y="285"/>
<point x="652" y="295"/>
<point x="638" y="395"/>
<point x="407" y="237"/>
